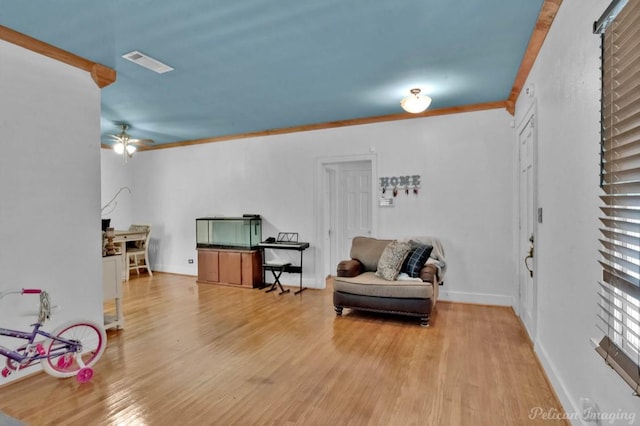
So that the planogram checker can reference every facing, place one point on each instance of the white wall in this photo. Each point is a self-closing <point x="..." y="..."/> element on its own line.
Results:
<point x="49" y="188"/>
<point x="117" y="176"/>
<point x="566" y="81"/>
<point x="465" y="161"/>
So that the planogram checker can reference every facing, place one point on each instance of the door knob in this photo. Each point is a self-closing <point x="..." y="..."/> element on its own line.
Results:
<point x="529" y="256"/>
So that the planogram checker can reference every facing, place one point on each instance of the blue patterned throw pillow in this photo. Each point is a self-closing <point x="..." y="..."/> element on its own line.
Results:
<point x="416" y="259"/>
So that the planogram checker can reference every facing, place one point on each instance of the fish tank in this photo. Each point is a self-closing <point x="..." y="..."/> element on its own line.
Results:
<point x="229" y="232"/>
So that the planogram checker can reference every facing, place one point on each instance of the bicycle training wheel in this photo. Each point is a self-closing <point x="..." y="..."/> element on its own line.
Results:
<point x="61" y="361"/>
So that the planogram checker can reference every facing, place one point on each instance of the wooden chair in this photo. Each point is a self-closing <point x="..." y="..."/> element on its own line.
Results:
<point x="138" y="252"/>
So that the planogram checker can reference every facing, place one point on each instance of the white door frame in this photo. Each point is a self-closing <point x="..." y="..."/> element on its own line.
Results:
<point x="531" y="328"/>
<point x="322" y="253"/>
<point x="330" y="219"/>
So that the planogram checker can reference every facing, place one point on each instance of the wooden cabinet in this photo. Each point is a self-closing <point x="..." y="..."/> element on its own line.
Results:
<point x="242" y="268"/>
<point x="112" y="289"/>
<point x="208" y="266"/>
<point x="230" y="267"/>
<point x="252" y="269"/>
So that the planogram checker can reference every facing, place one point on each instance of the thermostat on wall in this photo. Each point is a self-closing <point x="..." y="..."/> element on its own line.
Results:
<point x="386" y="202"/>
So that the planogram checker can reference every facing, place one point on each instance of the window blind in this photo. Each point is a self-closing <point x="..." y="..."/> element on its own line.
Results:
<point x="619" y="289"/>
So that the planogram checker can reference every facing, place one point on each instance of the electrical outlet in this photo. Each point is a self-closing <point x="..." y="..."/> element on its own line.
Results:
<point x="190" y="261"/>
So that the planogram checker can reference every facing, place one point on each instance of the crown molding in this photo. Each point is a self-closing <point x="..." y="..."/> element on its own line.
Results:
<point x="548" y="12"/>
<point x="330" y="125"/>
<point x="102" y="75"/>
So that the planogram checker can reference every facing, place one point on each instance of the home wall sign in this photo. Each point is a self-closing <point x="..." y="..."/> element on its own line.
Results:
<point x="397" y="184"/>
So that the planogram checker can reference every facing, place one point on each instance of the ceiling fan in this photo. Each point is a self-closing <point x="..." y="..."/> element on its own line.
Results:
<point x="125" y="145"/>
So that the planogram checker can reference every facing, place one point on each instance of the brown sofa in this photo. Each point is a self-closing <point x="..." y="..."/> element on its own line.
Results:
<point x="357" y="286"/>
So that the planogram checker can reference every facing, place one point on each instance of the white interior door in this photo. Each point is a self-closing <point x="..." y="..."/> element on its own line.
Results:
<point x="527" y="212"/>
<point x="354" y="205"/>
<point x="347" y="207"/>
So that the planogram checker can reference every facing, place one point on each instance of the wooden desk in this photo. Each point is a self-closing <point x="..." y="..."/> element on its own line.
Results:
<point x="120" y="240"/>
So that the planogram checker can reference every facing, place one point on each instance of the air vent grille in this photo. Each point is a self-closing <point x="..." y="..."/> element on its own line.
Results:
<point x="148" y="62"/>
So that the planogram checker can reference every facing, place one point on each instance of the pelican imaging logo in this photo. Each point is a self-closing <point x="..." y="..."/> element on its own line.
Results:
<point x="589" y="415"/>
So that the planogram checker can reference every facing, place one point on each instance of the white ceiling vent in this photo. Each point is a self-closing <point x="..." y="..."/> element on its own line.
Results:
<point x="147" y="62"/>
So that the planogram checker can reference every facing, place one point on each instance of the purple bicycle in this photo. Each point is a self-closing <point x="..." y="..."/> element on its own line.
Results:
<point x="71" y="350"/>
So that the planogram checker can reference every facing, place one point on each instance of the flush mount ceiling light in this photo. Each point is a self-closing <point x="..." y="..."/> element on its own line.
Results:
<point x="415" y="103"/>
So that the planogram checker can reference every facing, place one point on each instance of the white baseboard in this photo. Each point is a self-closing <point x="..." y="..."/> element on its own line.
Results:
<point x="479" y="298"/>
<point x="559" y="387"/>
<point x="289" y="280"/>
<point x="175" y="269"/>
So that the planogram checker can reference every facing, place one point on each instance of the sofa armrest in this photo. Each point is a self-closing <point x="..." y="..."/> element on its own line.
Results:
<point x="349" y="268"/>
<point x="429" y="273"/>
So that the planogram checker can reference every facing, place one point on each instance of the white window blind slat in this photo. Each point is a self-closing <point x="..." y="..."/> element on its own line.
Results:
<point x="619" y="235"/>
<point x="629" y="212"/>
<point x="625" y="187"/>
<point x="626" y="141"/>
<point x="627" y="200"/>
<point x="619" y="247"/>
<point x="619" y="280"/>
<point x="614" y="223"/>
<point x="624" y="119"/>
<point x="620" y="162"/>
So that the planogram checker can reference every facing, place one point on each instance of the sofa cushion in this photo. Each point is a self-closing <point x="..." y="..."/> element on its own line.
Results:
<point x="415" y="259"/>
<point x="368" y="251"/>
<point x="368" y="284"/>
<point x="391" y="260"/>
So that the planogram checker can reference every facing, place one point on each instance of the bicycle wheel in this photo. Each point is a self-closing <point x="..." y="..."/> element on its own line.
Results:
<point x="61" y="361"/>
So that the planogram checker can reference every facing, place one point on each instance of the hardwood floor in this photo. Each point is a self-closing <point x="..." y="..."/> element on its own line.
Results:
<point x="213" y="355"/>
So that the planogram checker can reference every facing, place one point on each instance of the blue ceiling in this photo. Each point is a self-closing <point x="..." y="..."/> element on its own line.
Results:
<point x="252" y="65"/>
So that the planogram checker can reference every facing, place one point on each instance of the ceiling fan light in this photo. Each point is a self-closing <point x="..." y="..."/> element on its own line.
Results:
<point x="130" y="149"/>
<point x="415" y="103"/>
<point x="118" y="147"/>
